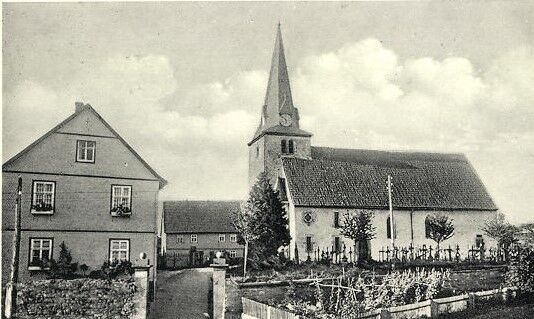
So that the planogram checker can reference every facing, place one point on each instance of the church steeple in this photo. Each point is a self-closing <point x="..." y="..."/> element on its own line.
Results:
<point x="278" y="96"/>
<point x="278" y="134"/>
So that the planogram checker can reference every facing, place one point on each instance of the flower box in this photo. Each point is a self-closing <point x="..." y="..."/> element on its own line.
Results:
<point x="42" y="209"/>
<point x="121" y="211"/>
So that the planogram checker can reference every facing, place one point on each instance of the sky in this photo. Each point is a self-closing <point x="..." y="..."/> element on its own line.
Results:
<point x="184" y="83"/>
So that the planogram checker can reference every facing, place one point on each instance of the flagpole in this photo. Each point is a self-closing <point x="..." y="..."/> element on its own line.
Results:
<point x="11" y="289"/>
<point x="391" y="221"/>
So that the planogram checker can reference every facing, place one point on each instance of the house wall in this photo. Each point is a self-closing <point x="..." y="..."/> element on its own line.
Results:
<point x="82" y="202"/>
<point x="467" y="225"/>
<point x="90" y="248"/>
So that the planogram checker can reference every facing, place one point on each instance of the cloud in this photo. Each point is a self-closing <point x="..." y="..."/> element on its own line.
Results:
<point x="362" y="95"/>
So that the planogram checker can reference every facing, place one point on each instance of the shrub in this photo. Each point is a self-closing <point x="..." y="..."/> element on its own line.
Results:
<point x="63" y="268"/>
<point x="521" y="270"/>
<point x="116" y="269"/>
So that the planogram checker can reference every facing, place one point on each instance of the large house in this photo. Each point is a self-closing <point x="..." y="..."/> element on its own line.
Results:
<point x="320" y="184"/>
<point x="83" y="185"/>
<point x="194" y="231"/>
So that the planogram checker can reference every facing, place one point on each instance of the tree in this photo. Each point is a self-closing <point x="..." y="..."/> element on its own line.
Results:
<point x="439" y="228"/>
<point x="359" y="227"/>
<point x="527" y="231"/>
<point x="63" y="267"/>
<point x="262" y="222"/>
<point x="244" y="223"/>
<point x="502" y="231"/>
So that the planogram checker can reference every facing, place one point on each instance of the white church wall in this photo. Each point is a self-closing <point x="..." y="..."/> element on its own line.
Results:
<point x="467" y="225"/>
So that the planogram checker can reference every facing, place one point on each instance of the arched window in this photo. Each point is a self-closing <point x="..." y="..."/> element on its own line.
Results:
<point x="291" y="147"/>
<point x="388" y="228"/>
<point x="427" y="227"/>
<point x="283" y="144"/>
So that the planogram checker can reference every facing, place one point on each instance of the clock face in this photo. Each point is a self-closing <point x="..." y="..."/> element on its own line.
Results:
<point x="285" y="119"/>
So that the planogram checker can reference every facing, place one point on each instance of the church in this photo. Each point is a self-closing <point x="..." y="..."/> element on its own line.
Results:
<point x="320" y="184"/>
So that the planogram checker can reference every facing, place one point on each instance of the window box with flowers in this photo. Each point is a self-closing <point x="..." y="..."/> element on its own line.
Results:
<point x="121" y="200"/>
<point x="43" y="197"/>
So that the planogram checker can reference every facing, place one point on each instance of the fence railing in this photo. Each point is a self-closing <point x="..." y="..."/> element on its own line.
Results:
<point x="432" y="308"/>
<point x="428" y="253"/>
<point x="257" y="310"/>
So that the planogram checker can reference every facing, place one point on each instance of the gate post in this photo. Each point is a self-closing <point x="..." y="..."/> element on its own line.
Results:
<point x="219" y="290"/>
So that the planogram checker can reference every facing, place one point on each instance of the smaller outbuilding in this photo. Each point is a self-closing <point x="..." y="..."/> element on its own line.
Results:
<point x="194" y="231"/>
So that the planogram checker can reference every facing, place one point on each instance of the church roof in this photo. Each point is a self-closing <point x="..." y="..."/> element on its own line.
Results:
<point x="199" y="216"/>
<point x="357" y="179"/>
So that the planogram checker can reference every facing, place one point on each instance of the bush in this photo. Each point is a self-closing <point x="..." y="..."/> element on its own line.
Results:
<point x="63" y="268"/>
<point x="117" y="268"/>
<point x="521" y="270"/>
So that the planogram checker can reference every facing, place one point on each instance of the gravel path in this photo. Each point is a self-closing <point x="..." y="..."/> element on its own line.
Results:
<point x="183" y="294"/>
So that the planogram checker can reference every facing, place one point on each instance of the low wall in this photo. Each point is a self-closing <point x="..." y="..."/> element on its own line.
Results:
<point x="77" y="298"/>
<point x="428" y="308"/>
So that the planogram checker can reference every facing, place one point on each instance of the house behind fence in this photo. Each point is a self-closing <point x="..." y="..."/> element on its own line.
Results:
<point x="194" y="231"/>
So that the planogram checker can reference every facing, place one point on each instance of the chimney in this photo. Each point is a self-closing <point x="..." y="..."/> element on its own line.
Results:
<point x="78" y="106"/>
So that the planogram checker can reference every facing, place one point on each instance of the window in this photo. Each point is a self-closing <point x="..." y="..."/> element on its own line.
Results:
<point x="119" y="250"/>
<point x="257" y="151"/>
<point x="40" y="251"/>
<point x="180" y="239"/>
<point x="309" y="244"/>
<point x="233" y="238"/>
<point x="43" y="197"/>
<point x="336" y="220"/>
<point x="337" y="244"/>
<point x="427" y="227"/>
<point x="121" y="199"/>
<point x="222" y="238"/>
<point x="282" y="189"/>
<point x="283" y="145"/>
<point x="85" y="151"/>
<point x="233" y="254"/>
<point x="388" y="228"/>
<point x="479" y="241"/>
<point x="194" y="238"/>
<point x="291" y="147"/>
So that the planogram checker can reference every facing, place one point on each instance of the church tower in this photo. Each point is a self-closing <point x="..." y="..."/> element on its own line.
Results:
<point x="278" y="133"/>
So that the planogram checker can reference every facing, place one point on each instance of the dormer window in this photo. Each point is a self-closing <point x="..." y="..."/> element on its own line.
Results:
<point x="85" y="151"/>
<point x="43" y="197"/>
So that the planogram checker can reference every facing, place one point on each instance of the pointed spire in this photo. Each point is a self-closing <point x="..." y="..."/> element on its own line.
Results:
<point x="278" y="97"/>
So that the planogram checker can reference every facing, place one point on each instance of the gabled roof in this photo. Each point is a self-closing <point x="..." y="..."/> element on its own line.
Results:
<point x="199" y="216"/>
<point x="357" y="179"/>
<point x="86" y="108"/>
